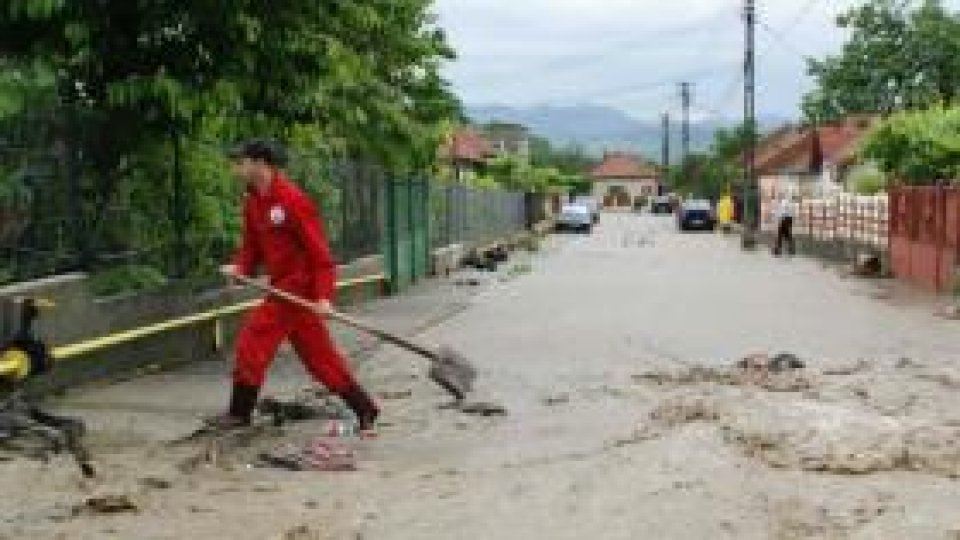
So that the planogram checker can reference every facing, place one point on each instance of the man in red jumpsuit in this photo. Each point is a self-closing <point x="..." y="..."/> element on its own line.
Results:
<point x="283" y="234"/>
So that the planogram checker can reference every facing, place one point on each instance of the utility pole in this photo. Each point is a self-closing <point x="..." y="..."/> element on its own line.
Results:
<point x="665" y="154"/>
<point x="749" y="116"/>
<point x="685" y="97"/>
<point x="665" y="145"/>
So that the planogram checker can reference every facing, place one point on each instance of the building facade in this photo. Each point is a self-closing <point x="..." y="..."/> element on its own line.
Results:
<point x="623" y="180"/>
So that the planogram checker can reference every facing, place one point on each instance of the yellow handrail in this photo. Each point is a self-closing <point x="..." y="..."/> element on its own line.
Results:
<point x="85" y="347"/>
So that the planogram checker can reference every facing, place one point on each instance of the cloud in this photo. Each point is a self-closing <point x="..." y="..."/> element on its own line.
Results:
<point x="631" y="53"/>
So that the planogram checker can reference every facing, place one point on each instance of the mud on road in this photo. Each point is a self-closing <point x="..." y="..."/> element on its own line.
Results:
<point x="618" y="358"/>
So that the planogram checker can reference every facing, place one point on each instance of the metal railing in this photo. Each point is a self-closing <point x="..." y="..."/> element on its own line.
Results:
<point x="464" y="215"/>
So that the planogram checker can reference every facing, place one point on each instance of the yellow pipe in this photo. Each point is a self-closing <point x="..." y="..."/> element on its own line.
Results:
<point x="85" y="347"/>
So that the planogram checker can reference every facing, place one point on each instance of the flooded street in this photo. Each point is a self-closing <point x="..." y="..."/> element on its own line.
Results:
<point x="615" y="355"/>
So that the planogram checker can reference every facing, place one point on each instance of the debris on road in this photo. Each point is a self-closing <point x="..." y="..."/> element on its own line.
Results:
<point x="478" y="408"/>
<point x="787" y="432"/>
<point x="867" y="265"/>
<point x="795" y="517"/>
<point x="219" y="449"/>
<point x="327" y="454"/>
<point x="559" y="399"/>
<point x="301" y="532"/>
<point x="686" y="409"/>
<point x="394" y="395"/>
<point x="781" y="373"/>
<point x="480" y="261"/>
<point x="858" y="367"/>
<point x="838" y="439"/>
<point x="107" y="504"/>
<point x="302" y="408"/>
<point x="152" y="482"/>
<point x="779" y="363"/>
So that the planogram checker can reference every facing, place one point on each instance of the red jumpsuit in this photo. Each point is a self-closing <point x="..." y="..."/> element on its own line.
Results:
<point x="283" y="233"/>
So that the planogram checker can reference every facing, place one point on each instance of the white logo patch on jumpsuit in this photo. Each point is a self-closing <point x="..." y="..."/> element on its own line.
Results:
<point x="277" y="215"/>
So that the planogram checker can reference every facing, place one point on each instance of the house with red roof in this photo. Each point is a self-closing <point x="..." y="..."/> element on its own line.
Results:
<point x="622" y="180"/>
<point x="466" y="152"/>
<point x="810" y="161"/>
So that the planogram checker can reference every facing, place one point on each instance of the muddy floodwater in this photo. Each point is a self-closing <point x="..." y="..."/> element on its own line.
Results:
<point x="636" y="370"/>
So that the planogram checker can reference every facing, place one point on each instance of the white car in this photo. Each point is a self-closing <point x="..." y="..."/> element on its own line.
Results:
<point x="592" y="204"/>
<point x="575" y="217"/>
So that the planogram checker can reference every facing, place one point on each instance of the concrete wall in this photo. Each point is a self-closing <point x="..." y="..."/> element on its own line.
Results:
<point x="79" y="317"/>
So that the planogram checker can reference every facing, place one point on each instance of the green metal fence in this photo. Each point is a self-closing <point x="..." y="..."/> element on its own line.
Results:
<point x="173" y="213"/>
<point x="465" y="215"/>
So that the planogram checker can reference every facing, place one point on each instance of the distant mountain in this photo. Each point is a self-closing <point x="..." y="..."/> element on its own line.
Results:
<point x="599" y="128"/>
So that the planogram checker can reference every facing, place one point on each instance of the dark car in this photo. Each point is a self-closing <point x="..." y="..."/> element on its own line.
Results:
<point x="696" y="214"/>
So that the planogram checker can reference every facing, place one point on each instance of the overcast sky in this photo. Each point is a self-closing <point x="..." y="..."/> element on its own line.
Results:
<point x="631" y="54"/>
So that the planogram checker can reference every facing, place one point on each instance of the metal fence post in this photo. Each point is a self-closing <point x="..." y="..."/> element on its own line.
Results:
<point x="72" y="147"/>
<point x="179" y="209"/>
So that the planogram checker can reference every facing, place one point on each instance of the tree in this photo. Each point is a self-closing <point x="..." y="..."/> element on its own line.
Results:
<point x="150" y="80"/>
<point x="900" y="56"/>
<point x="918" y="147"/>
<point x="366" y="74"/>
<point x="569" y="164"/>
<point x="716" y="171"/>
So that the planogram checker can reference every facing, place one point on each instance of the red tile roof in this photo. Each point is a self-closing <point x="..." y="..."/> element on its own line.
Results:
<point x="467" y="145"/>
<point x="808" y="149"/>
<point x="623" y="166"/>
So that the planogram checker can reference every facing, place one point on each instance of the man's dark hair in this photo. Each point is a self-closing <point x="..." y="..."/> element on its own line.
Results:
<point x="267" y="150"/>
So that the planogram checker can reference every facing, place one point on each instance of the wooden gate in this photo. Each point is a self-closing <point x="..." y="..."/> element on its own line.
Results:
<point x="925" y="235"/>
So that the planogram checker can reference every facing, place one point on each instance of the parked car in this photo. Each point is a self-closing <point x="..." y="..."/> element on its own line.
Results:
<point x="592" y="204"/>
<point x="696" y="214"/>
<point x="662" y="204"/>
<point x="575" y="217"/>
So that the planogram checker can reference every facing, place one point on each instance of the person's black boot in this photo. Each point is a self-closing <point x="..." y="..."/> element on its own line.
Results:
<point x="243" y="399"/>
<point x="363" y="407"/>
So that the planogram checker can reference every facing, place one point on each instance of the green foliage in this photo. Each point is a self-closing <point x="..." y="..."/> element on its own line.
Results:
<point x="331" y="79"/>
<point x="484" y="182"/>
<point x="918" y="147"/>
<point x="23" y="85"/>
<point x="511" y="172"/>
<point x="124" y="279"/>
<point x="867" y="182"/>
<point x="901" y="55"/>
<point x="554" y="168"/>
<point x="712" y="173"/>
<point x="571" y="160"/>
<point x="368" y="73"/>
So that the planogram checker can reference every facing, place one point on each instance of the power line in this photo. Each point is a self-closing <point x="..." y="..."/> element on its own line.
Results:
<point x="622" y="47"/>
<point x="805" y="9"/>
<point x="779" y="38"/>
<point x="631" y="89"/>
<point x="725" y="97"/>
